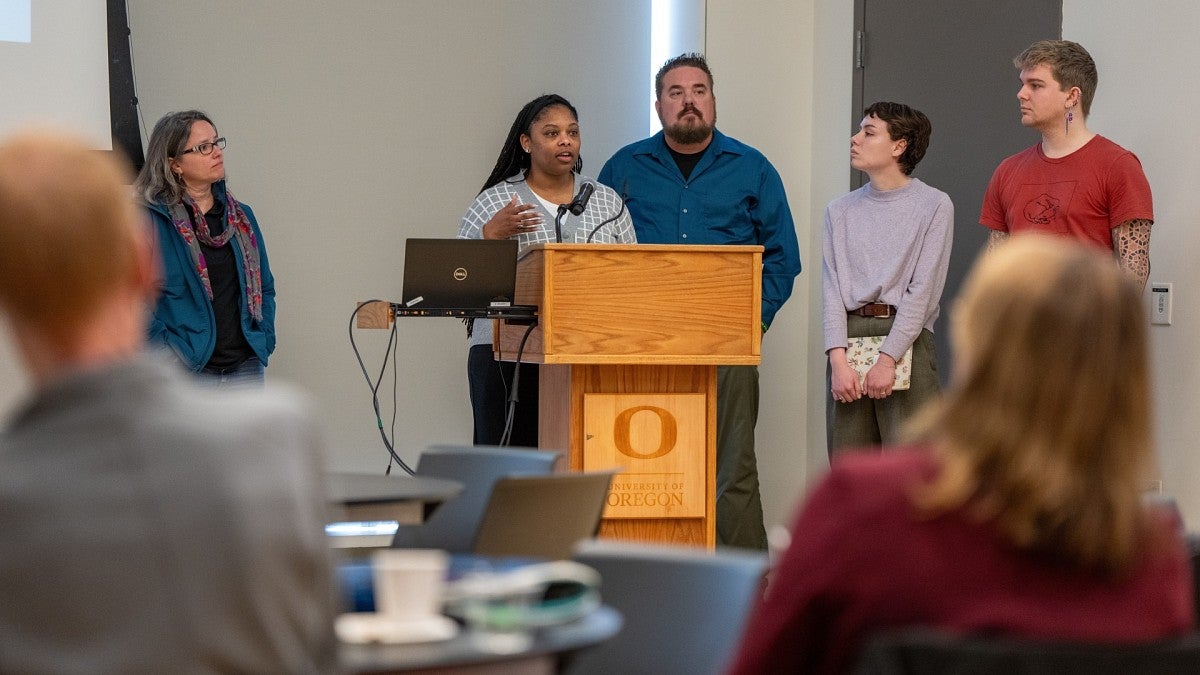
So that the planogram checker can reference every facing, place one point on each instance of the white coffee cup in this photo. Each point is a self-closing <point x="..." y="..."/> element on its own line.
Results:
<point x="409" y="582"/>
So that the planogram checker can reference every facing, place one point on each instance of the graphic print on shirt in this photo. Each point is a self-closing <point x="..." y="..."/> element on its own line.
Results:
<point x="1046" y="205"/>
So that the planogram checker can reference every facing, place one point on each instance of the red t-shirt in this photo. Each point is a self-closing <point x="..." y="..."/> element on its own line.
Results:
<point x="1083" y="195"/>
<point x="861" y="563"/>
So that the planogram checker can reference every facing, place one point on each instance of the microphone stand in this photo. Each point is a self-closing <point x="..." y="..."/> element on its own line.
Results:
<point x="562" y="211"/>
<point x="576" y="207"/>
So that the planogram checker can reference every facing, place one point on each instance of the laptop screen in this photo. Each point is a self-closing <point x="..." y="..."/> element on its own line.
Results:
<point x="459" y="273"/>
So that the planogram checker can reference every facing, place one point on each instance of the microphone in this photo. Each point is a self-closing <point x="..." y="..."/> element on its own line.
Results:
<point x="580" y="202"/>
<point x="576" y="207"/>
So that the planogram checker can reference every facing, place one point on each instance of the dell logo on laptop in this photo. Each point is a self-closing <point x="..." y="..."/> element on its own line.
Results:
<point x="460" y="273"/>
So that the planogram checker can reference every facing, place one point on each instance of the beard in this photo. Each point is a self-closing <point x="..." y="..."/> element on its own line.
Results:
<point x="689" y="132"/>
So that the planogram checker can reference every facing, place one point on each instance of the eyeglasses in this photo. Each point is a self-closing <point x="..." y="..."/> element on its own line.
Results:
<point x="206" y="148"/>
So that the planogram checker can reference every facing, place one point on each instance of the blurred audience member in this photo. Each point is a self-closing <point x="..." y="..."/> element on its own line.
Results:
<point x="1020" y="513"/>
<point x="145" y="525"/>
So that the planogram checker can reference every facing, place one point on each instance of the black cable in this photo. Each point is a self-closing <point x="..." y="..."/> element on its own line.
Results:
<point x="389" y="441"/>
<point x="603" y="223"/>
<point x="143" y="131"/>
<point x="514" y="396"/>
<point x="374" y="387"/>
<point x="395" y="395"/>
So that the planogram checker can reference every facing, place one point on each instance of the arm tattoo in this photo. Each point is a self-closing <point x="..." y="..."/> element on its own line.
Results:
<point x="995" y="238"/>
<point x="1131" y="243"/>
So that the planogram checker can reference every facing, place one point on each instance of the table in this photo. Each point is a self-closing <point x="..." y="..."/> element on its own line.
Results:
<point x="404" y="499"/>
<point x="471" y="652"/>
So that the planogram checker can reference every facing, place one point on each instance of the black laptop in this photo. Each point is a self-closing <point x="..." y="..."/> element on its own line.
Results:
<point x="469" y="278"/>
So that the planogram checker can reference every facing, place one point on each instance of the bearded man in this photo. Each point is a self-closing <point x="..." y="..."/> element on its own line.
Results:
<point x="691" y="184"/>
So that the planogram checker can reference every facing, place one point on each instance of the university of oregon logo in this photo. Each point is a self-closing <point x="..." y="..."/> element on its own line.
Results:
<point x="623" y="439"/>
<point x="659" y="443"/>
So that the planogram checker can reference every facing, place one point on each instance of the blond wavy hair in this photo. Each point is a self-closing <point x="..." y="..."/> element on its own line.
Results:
<point x="1045" y="430"/>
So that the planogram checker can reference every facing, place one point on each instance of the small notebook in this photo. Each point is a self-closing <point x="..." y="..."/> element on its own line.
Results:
<point x="862" y="352"/>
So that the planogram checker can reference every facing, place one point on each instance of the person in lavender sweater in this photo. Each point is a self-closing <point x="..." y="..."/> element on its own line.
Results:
<point x="884" y="259"/>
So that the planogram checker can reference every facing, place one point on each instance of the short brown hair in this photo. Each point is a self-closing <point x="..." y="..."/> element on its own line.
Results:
<point x="908" y="123"/>
<point x="691" y="59"/>
<point x="66" y="227"/>
<point x="1070" y="64"/>
<point x="1045" y="430"/>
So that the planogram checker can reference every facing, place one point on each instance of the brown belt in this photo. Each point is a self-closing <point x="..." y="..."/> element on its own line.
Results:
<point x="874" y="309"/>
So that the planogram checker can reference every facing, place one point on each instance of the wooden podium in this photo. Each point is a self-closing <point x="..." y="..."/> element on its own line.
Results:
<point x="629" y="337"/>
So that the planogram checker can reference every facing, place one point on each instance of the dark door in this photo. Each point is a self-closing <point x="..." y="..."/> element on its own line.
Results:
<point x="952" y="60"/>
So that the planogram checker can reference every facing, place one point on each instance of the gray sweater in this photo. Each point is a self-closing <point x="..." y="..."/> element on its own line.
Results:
<point x="151" y="526"/>
<point x="891" y="247"/>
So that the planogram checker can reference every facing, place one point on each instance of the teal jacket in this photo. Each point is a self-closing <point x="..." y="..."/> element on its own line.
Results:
<point x="183" y="318"/>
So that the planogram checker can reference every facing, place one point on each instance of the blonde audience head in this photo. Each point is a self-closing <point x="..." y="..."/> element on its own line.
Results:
<point x="71" y="240"/>
<point x="1045" y="429"/>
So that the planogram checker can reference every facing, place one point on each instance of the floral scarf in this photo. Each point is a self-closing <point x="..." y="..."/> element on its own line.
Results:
<point x="236" y="225"/>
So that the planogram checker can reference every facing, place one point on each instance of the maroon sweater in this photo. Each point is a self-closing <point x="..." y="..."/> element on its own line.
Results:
<point x="861" y="563"/>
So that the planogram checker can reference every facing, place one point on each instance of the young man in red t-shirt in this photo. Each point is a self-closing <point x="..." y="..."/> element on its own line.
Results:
<point x="1074" y="182"/>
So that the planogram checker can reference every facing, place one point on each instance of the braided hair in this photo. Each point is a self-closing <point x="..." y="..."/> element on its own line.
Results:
<point x="513" y="159"/>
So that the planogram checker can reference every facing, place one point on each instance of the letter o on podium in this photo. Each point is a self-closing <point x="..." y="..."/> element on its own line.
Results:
<point x="659" y="442"/>
<point x="623" y="436"/>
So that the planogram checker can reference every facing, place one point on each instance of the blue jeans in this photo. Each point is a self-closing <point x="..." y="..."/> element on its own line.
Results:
<point x="249" y="373"/>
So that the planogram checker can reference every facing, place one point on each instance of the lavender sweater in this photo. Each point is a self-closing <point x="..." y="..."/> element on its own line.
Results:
<point x="891" y="247"/>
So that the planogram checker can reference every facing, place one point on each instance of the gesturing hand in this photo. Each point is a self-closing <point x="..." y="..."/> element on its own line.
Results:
<point x="512" y="220"/>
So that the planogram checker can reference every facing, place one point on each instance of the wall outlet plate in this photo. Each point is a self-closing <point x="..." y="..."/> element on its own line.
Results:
<point x="1160" y="304"/>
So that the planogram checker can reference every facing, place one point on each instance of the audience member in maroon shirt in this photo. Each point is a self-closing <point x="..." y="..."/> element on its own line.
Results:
<point x="1019" y="511"/>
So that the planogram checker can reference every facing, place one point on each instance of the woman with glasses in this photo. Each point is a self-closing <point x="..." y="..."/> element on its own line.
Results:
<point x="216" y="311"/>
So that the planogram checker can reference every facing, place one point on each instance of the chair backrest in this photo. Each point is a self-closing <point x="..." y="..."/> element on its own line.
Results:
<point x="684" y="609"/>
<point x="927" y="652"/>
<point x="1192" y="541"/>
<point x="542" y="516"/>
<point x="452" y="526"/>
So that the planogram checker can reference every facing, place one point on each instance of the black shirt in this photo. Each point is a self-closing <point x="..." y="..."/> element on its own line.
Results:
<point x="687" y="162"/>
<point x="223" y="262"/>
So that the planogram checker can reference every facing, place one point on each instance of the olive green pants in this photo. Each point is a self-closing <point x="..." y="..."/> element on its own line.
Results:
<point x="739" y="503"/>
<point x="871" y="422"/>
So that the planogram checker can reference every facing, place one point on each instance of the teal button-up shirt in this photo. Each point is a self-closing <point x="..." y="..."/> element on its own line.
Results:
<point x="733" y="196"/>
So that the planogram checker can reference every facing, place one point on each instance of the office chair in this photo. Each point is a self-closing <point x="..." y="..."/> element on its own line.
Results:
<point x="684" y="608"/>
<point x="452" y="526"/>
<point x="928" y="652"/>
<point x="542" y="516"/>
<point x="1192" y="541"/>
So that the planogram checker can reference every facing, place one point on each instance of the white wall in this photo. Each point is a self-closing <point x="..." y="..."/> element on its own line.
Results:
<point x="762" y="56"/>
<point x="346" y="150"/>
<point x="353" y="125"/>
<point x="789" y="94"/>
<point x="1145" y="101"/>
<point x="57" y="74"/>
<point x="13" y="382"/>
